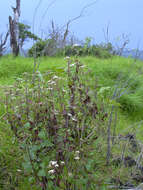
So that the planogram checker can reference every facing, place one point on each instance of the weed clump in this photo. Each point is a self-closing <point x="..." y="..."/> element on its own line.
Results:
<point x="56" y="123"/>
<point x="65" y="125"/>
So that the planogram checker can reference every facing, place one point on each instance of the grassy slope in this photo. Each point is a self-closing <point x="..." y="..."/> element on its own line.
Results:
<point x="107" y="72"/>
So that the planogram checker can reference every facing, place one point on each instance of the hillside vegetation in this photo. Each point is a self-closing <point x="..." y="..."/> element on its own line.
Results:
<point x="73" y="123"/>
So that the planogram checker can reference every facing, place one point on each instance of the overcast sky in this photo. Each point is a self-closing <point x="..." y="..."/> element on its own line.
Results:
<point x="122" y="16"/>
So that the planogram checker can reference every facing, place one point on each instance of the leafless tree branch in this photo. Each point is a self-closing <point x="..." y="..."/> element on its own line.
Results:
<point x="76" y="18"/>
<point x="35" y="13"/>
<point x="106" y="33"/>
<point x="45" y="12"/>
<point x="3" y="42"/>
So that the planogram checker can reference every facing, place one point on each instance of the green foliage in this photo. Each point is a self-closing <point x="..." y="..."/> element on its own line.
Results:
<point x="71" y="51"/>
<point x="37" y="49"/>
<point x="100" y="51"/>
<point x="121" y="73"/>
<point x="10" y="68"/>
<point x="43" y="48"/>
<point x="25" y="34"/>
<point x="11" y="174"/>
<point x="110" y="73"/>
<point x="131" y="103"/>
<point x="30" y="138"/>
<point x="55" y="123"/>
<point x="49" y="47"/>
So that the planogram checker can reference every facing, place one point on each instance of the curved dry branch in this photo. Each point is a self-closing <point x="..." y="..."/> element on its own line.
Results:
<point x="76" y="18"/>
<point x="3" y="41"/>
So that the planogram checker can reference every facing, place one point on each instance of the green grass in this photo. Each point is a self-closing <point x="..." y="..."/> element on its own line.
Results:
<point x="109" y="72"/>
<point x="117" y="71"/>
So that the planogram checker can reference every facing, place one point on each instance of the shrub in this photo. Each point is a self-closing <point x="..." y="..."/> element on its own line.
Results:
<point x="50" y="48"/>
<point x="100" y="51"/>
<point x="57" y="122"/>
<point x="43" y="48"/>
<point x="72" y="50"/>
<point x="37" y="49"/>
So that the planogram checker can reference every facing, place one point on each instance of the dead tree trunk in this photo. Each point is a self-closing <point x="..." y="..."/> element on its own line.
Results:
<point x="3" y="41"/>
<point x="14" y="29"/>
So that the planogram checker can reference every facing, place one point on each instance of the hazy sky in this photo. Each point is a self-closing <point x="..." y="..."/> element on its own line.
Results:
<point x="122" y="16"/>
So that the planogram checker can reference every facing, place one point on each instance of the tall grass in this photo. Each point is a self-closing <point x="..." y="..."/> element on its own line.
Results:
<point x="109" y="72"/>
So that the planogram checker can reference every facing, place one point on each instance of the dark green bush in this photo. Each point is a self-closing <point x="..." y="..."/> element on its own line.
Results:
<point x="100" y="51"/>
<point x="50" y="48"/>
<point x="72" y="50"/>
<point x="131" y="103"/>
<point x="43" y="48"/>
<point x="37" y="49"/>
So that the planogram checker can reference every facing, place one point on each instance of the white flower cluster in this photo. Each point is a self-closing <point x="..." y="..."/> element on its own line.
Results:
<point x="70" y="174"/>
<point x="51" y="171"/>
<point x="76" y="157"/>
<point x="51" y="82"/>
<point x="73" y="118"/>
<point x="49" y="88"/>
<point x="54" y="165"/>
<point x="55" y="77"/>
<point x="67" y="58"/>
<point x="62" y="163"/>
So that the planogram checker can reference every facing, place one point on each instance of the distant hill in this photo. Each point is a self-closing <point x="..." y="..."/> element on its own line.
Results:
<point x="133" y="53"/>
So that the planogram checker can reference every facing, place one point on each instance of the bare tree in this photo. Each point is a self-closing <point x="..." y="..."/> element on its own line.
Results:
<point x="58" y="37"/>
<point x="63" y="32"/>
<point x="124" y="41"/>
<point x="76" y="18"/>
<point x="3" y="40"/>
<point x="14" y="29"/>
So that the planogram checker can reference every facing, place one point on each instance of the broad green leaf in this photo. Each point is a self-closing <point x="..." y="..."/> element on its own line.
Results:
<point x="42" y="134"/>
<point x="41" y="173"/>
<point x="27" y="166"/>
<point x="27" y="125"/>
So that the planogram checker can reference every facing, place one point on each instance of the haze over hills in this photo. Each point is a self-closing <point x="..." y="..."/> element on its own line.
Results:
<point x="133" y="53"/>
